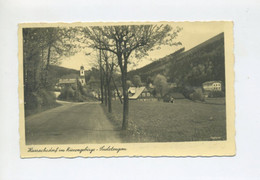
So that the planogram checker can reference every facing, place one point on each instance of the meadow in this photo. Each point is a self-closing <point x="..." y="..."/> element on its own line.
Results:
<point x="183" y="120"/>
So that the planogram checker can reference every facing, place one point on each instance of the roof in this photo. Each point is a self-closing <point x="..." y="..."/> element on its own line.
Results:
<point x="132" y="90"/>
<point x="211" y="82"/>
<point x="138" y="92"/>
<point x="70" y="76"/>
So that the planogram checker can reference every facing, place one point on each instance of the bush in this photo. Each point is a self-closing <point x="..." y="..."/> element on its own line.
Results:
<point x="67" y="93"/>
<point x="216" y="94"/>
<point x="187" y="91"/>
<point x="81" y="94"/>
<point x="70" y="93"/>
<point x="197" y="96"/>
<point x="193" y="94"/>
<point x="168" y="98"/>
<point x="84" y="91"/>
<point x="46" y="97"/>
<point x="32" y="101"/>
<point x="37" y="101"/>
<point x="74" y="86"/>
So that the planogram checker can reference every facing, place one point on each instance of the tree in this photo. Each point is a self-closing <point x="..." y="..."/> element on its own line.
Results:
<point x="137" y="81"/>
<point x="129" y="84"/>
<point x="42" y="47"/>
<point x="108" y="69"/>
<point x="93" y="83"/>
<point x="125" y="40"/>
<point x="161" y="85"/>
<point x="149" y="80"/>
<point x="45" y="46"/>
<point x="58" y="42"/>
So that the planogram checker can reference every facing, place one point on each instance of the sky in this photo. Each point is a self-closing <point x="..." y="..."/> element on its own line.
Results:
<point x="192" y="34"/>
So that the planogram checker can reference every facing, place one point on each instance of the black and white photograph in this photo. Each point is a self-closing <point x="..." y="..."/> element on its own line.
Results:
<point x="124" y="83"/>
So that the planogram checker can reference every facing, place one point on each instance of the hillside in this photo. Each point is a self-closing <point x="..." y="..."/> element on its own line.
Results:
<point x="203" y="62"/>
<point x="58" y="71"/>
<point x="156" y="66"/>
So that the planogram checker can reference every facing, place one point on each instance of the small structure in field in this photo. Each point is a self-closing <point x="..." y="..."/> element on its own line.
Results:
<point x="212" y="86"/>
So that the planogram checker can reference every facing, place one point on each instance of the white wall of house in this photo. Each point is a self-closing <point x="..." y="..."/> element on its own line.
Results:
<point x="216" y="86"/>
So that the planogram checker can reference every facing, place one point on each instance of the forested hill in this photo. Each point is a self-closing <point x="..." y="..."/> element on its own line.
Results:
<point x="155" y="67"/>
<point x="202" y="63"/>
<point x="57" y="72"/>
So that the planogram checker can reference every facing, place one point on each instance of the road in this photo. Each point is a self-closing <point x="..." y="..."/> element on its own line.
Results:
<point x="71" y="123"/>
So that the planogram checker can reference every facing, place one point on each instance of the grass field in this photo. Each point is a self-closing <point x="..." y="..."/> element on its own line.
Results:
<point x="183" y="120"/>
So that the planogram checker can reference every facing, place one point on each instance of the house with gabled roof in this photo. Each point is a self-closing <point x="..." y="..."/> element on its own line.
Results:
<point x="142" y="92"/>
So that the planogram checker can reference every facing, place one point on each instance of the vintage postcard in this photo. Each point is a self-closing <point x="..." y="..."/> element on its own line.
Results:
<point x="126" y="89"/>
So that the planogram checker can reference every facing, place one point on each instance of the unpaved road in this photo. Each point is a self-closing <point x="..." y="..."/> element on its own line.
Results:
<point x="71" y="123"/>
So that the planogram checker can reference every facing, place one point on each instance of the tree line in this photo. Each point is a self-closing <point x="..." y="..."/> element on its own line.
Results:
<point x="41" y="48"/>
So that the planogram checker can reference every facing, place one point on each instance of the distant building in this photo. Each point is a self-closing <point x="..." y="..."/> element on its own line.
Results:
<point x="82" y="76"/>
<point x="212" y="86"/>
<point x="135" y="93"/>
<point x="68" y="81"/>
<point x="73" y="79"/>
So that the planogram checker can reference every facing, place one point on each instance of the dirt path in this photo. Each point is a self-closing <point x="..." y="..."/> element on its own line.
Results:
<point x="71" y="123"/>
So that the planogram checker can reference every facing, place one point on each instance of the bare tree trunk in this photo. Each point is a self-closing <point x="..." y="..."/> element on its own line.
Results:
<point x="109" y="98"/>
<point x="118" y="94"/>
<point x="108" y="74"/>
<point x="105" y="88"/>
<point x="101" y="78"/>
<point x="125" y="104"/>
<point x="47" y="66"/>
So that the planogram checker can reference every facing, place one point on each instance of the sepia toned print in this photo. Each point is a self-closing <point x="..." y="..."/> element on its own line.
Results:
<point x="126" y="89"/>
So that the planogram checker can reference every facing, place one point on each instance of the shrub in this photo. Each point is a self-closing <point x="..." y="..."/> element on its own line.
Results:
<point x="67" y="93"/>
<point x="197" y="96"/>
<point x="193" y="94"/>
<point x="70" y="93"/>
<point x="32" y="101"/>
<point x="46" y="97"/>
<point x="81" y="94"/>
<point x="74" y="86"/>
<point x="36" y="101"/>
<point x="216" y="94"/>
<point x="166" y="98"/>
<point x="84" y="91"/>
<point x="187" y="91"/>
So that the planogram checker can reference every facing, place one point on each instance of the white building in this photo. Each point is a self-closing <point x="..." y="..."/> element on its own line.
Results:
<point x="72" y="79"/>
<point x="212" y="86"/>
<point x="82" y="76"/>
